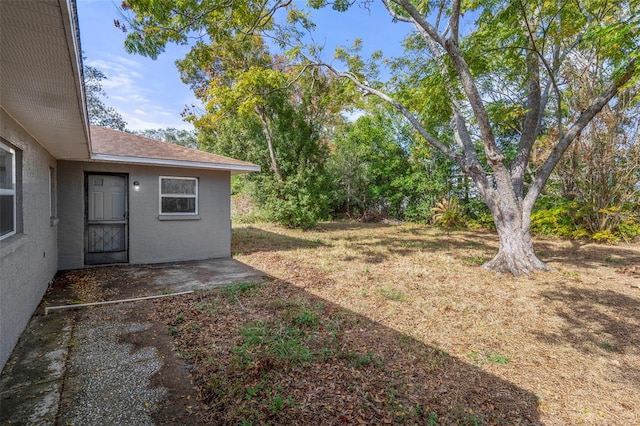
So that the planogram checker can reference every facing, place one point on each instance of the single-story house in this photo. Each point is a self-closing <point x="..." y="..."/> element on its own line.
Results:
<point x="72" y="194"/>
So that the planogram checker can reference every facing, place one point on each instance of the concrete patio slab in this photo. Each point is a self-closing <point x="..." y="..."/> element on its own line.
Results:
<point x="108" y="364"/>
<point x="165" y="278"/>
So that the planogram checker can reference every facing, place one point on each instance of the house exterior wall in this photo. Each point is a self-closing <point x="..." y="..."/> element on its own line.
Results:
<point x="28" y="259"/>
<point x="152" y="239"/>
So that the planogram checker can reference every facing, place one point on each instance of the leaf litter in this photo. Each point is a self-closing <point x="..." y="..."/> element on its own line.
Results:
<point x="396" y="324"/>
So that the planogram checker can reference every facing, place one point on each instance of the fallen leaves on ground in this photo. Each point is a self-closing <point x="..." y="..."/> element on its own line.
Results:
<point x="398" y="324"/>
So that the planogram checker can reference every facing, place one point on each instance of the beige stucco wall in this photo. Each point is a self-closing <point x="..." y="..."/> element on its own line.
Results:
<point x="151" y="240"/>
<point x="28" y="260"/>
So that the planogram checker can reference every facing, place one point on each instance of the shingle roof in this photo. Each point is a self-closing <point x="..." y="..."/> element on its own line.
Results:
<point x="115" y="146"/>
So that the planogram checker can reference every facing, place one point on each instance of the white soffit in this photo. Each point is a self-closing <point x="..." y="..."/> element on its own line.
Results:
<point x="40" y="76"/>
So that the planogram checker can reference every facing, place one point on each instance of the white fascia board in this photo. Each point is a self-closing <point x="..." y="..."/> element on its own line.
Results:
<point x="174" y="163"/>
<point x="73" y="41"/>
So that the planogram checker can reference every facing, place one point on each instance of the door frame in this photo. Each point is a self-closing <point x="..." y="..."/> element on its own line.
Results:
<point x="86" y="216"/>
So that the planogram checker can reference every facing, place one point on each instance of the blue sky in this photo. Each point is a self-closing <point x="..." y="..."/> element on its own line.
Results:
<point x="149" y="94"/>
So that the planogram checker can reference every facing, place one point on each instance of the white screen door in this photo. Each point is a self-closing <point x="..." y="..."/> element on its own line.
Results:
<point x="107" y="223"/>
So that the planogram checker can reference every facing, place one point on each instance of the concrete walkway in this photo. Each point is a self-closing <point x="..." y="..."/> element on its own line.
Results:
<point x="109" y="365"/>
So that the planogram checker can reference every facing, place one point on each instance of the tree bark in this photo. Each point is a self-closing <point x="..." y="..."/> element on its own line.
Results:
<point x="516" y="254"/>
<point x="267" y="134"/>
<point x="503" y="189"/>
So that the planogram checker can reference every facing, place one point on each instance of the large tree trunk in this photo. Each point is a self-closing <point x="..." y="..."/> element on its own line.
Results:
<point x="516" y="254"/>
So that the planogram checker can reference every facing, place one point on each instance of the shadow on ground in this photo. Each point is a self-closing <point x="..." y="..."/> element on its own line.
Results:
<point x="422" y="238"/>
<point x="277" y="354"/>
<point x="596" y="320"/>
<point x="585" y="254"/>
<point x="269" y="353"/>
<point x="108" y="364"/>
<point x="258" y="240"/>
<point x="470" y="247"/>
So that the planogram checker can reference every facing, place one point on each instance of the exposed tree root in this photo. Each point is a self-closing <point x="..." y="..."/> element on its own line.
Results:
<point x="516" y="263"/>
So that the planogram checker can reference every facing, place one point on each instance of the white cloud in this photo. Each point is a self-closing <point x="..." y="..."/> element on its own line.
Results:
<point x="144" y="97"/>
<point x="147" y="93"/>
<point x="138" y="123"/>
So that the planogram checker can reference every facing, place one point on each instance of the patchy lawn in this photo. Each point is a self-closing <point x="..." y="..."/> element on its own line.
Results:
<point x="375" y="324"/>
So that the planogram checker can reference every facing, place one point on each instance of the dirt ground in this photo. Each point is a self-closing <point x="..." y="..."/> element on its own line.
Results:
<point x="411" y="330"/>
<point x="398" y="324"/>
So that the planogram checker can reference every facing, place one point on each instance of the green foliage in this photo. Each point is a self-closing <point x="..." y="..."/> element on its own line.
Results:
<point x="300" y="202"/>
<point x="207" y="307"/>
<point x="298" y="196"/>
<point x="432" y="419"/>
<point x="278" y="403"/>
<point x="477" y="214"/>
<point x="560" y="217"/>
<point x="447" y="213"/>
<point x="485" y="356"/>
<point x="235" y="290"/>
<point x="601" y="170"/>
<point x="378" y="170"/>
<point x="180" y="137"/>
<point x="258" y="107"/>
<point x="630" y="229"/>
<point x="307" y="318"/>
<point x="99" y="113"/>
<point x="363" y="360"/>
<point x="285" y="343"/>
<point x="511" y="61"/>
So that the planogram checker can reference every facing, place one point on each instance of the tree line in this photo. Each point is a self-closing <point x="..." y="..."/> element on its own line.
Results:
<point x="519" y="114"/>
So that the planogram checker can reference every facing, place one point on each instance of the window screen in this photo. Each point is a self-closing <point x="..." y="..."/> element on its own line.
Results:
<point x="178" y="195"/>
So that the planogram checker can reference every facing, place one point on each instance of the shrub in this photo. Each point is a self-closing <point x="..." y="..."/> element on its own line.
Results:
<point x="447" y="213"/>
<point x="560" y="217"/>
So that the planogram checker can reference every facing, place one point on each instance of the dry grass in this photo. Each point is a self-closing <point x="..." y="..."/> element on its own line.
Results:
<point x="570" y="339"/>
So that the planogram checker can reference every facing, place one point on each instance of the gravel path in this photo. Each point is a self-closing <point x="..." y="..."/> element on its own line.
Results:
<point x="108" y="382"/>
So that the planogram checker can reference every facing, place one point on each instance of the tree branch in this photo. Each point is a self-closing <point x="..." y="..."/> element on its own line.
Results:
<point x="400" y="108"/>
<point x="395" y="15"/>
<point x="471" y="164"/>
<point x="455" y="21"/>
<point x="530" y="125"/>
<point x="260" y="111"/>
<point x="418" y="20"/>
<point x="571" y="134"/>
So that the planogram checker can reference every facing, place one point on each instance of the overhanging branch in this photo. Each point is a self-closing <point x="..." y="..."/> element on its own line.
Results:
<point x="400" y="108"/>
<point x="587" y="115"/>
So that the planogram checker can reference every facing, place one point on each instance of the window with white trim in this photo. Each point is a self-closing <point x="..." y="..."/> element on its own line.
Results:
<point x="8" y="191"/>
<point x="178" y="195"/>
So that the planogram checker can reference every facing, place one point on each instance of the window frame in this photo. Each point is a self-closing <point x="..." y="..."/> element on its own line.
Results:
<point x="12" y="191"/>
<point x="162" y="195"/>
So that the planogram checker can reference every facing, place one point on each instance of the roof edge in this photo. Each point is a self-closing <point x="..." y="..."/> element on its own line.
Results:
<point x="174" y="163"/>
<point x="72" y="29"/>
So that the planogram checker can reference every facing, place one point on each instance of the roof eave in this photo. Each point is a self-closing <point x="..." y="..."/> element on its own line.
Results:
<point x="233" y="168"/>
<point x="73" y="34"/>
<point x="41" y="85"/>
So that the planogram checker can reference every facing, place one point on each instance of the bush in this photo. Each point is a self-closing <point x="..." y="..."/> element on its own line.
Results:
<point x="300" y="202"/>
<point x="560" y="217"/>
<point x="447" y="213"/>
<point x="630" y="229"/>
<point x="477" y="214"/>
